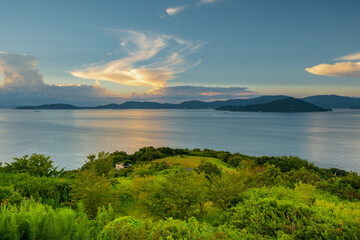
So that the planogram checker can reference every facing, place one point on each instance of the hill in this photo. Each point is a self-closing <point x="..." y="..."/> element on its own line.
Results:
<point x="283" y="105"/>
<point x="193" y="161"/>
<point x="324" y="101"/>
<point x="155" y="105"/>
<point x="137" y="105"/>
<point x="333" y="101"/>
<point x="60" y="106"/>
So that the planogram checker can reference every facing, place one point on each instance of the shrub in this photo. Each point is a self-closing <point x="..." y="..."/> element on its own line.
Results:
<point x="36" y="164"/>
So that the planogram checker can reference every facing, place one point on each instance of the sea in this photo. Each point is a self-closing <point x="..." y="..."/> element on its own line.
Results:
<point x="328" y="139"/>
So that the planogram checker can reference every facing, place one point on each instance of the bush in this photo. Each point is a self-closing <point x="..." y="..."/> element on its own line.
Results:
<point x="301" y="213"/>
<point x="36" y="221"/>
<point x="51" y="191"/>
<point x="123" y="228"/>
<point x="36" y="164"/>
<point x="9" y="195"/>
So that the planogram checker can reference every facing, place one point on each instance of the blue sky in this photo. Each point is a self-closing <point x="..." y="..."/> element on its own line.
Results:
<point x="134" y="49"/>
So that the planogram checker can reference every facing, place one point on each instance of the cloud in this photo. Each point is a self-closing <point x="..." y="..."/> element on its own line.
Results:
<point x="175" y="10"/>
<point x="350" y="57"/>
<point x="208" y="1"/>
<point x="172" y="11"/>
<point x="19" y="70"/>
<point x="152" y="60"/>
<point x="23" y="84"/>
<point x="349" y="67"/>
<point x="184" y="93"/>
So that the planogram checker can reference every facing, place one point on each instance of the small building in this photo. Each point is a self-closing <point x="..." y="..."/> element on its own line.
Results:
<point x="124" y="165"/>
<point x="119" y="166"/>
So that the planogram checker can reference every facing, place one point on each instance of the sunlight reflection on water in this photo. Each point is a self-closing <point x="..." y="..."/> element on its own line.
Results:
<point x="330" y="139"/>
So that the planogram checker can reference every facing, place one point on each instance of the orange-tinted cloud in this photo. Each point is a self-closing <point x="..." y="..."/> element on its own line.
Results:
<point x="152" y="60"/>
<point x="340" y="69"/>
<point x="184" y="93"/>
<point x="350" y="57"/>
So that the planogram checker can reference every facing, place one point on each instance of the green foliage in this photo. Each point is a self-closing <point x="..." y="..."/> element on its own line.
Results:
<point x="146" y="154"/>
<point x="208" y="168"/>
<point x="35" y="221"/>
<point x="102" y="164"/>
<point x="300" y="213"/>
<point x="119" y="156"/>
<point x="133" y="229"/>
<point x="123" y="228"/>
<point x="302" y="175"/>
<point x="339" y="188"/>
<point x="51" y="191"/>
<point x="179" y="195"/>
<point x="285" y="163"/>
<point x="227" y="190"/>
<point x="93" y="191"/>
<point x="256" y="198"/>
<point x="36" y="164"/>
<point x="353" y="179"/>
<point x="9" y="195"/>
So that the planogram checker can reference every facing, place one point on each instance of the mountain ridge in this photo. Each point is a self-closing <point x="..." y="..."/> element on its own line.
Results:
<point x="324" y="101"/>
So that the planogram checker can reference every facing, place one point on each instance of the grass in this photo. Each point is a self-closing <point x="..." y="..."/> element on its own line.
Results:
<point x="193" y="161"/>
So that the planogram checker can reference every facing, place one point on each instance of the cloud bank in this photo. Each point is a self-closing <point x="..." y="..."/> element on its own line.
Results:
<point x="349" y="67"/>
<point x="24" y="84"/>
<point x="151" y="60"/>
<point x="184" y="93"/>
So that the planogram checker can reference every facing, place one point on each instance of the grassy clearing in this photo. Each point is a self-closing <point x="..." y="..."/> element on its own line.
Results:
<point x="193" y="161"/>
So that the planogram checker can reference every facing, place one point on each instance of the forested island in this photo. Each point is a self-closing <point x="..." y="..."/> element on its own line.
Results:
<point x="321" y="101"/>
<point x="282" y="105"/>
<point x="164" y="193"/>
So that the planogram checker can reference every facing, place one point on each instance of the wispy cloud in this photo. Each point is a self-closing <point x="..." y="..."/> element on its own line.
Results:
<point x="209" y="1"/>
<point x="184" y="93"/>
<point x="349" y="67"/>
<point x="172" y="11"/>
<point x="151" y="60"/>
<point x="341" y="69"/>
<point x="350" y="57"/>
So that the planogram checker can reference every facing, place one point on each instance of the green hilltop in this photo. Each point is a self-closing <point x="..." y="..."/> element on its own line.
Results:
<point x="165" y="193"/>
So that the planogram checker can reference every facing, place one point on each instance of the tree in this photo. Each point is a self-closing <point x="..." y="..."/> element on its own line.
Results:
<point x="178" y="195"/>
<point x="36" y="164"/>
<point x="93" y="191"/>
<point x="103" y="164"/>
<point x="208" y="168"/>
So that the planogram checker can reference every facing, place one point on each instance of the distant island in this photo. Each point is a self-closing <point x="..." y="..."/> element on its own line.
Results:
<point x="322" y="101"/>
<point x="59" y="106"/>
<point x="289" y="104"/>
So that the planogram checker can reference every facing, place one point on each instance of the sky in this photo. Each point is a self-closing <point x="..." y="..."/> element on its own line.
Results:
<point x="93" y="52"/>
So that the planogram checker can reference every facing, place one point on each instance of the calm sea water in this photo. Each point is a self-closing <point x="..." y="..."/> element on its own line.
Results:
<point x="330" y="139"/>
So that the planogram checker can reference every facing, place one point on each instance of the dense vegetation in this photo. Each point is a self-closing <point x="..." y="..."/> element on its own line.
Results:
<point x="169" y="193"/>
<point x="288" y="104"/>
